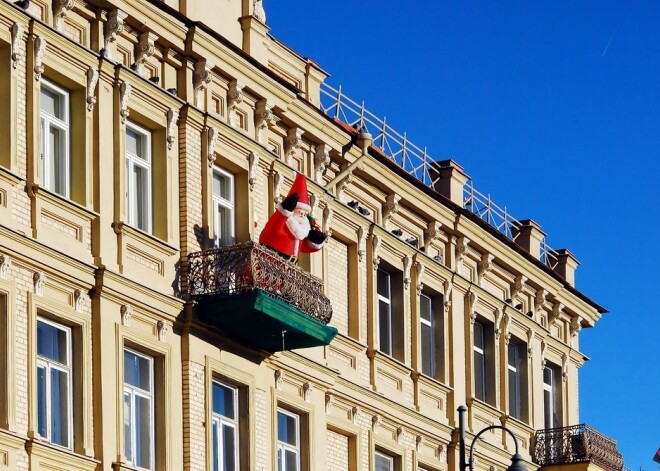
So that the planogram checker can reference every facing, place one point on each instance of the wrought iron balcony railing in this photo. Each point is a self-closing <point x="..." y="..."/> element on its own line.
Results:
<point x="578" y="443"/>
<point x="247" y="267"/>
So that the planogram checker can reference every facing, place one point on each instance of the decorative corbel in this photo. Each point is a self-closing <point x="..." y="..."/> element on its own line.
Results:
<point x="554" y="315"/>
<point x="375" y="243"/>
<point x="505" y="327"/>
<point x="432" y="233"/>
<point x="279" y="378"/>
<point x="564" y="367"/>
<point x="92" y="80"/>
<point x="355" y="414"/>
<point x="543" y="359"/>
<point x="39" y="279"/>
<point x="407" y="261"/>
<point x="376" y="421"/>
<point x="344" y="182"/>
<point x="264" y="118"/>
<point x="234" y="98"/>
<point x="419" y="441"/>
<point x="399" y="434"/>
<point x="61" y="9"/>
<point x="172" y="117"/>
<point x="258" y="11"/>
<point x="5" y="265"/>
<point x="40" y="45"/>
<point x="390" y="208"/>
<point x="361" y="235"/>
<point x="328" y="214"/>
<point x="145" y="48"/>
<point x="126" y="311"/>
<point x="329" y="402"/>
<point x="539" y="299"/>
<point x="253" y="165"/>
<point x="484" y="266"/>
<point x="576" y="326"/>
<point x="448" y="286"/>
<point x="473" y="299"/>
<point x="277" y="186"/>
<point x="321" y="162"/>
<point x="419" y="268"/>
<point x="78" y="299"/>
<point x="17" y="31"/>
<point x="211" y="141"/>
<point x="114" y="26"/>
<point x="162" y="329"/>
<point x="292" y="143"/>
<point x="202" y="77"/>
<point x="461" y="249"/>
<point x="497" y="312"/>
<point x="124" y="95"/>
<point x="530" y="336"/>
<point x="307" y="389"/>
<point x="517" y="286"/>
<point x="442" y="453"/>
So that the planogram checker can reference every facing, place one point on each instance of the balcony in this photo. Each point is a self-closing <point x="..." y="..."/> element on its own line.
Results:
<point x="576" y="444"/>
<point x="258" y="298"/>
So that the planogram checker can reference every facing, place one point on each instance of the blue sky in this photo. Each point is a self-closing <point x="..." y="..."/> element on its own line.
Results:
<point x="554" y="109"/>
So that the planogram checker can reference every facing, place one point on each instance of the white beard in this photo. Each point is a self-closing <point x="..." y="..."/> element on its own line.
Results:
<point x="299" y="227"/>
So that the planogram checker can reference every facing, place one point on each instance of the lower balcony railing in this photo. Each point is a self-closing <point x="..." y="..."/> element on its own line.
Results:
<point x="260" y="298"/>
<point x="575" y="444"/>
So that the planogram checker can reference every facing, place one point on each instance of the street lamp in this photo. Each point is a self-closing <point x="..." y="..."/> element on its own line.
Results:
<point x="516" y="459"/>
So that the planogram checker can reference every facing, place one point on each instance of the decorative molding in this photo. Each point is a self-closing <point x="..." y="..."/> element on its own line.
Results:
<point x="399" y="434"/>
<point x="40" y="45"/>
<point x="126" y="311"/>
<point x="78" y="299"/>
<point x="432" y="233"/>
<point x="473" y="300"/>
<point x="462" y="249"/>
<point x="355" y="414"/>
<point x="162" y="329"/>
<point x="419" y="441"/>
<point x="419" y="272"/>
<point x="530" y="336"/>
<point x="234" y="98"/>
<point x="564" y="367"/>
<point x="539" y="299"/>
<point x="61" y="9"/>
<point x="124" y="95"/>
<point x="5" y="265"/>
<point x="390" y="208"/>
<point x="361" y="236"/>
<point x="113" y="28"/>
<point x="543" y="359"/>
<point x="277" y="186"/>
<point x="486" y="265"/>
<point x="17" y="31"/>
<point x="307" y="389"/>
<point x="39" y="279"/>
<point x="258" y="10"/>
<point x="517" y="286"/>
<point x="554" y="315"/>
<point x="407" y="262"/>
<point x="375" y="244"/>
<point x="264" y="118"/>
<point x="505" y="327"/>
<point x="344" y="182"/>
<point x="172" y="117"/>
<point x="92" y="81"/>
<point x="329" y="402"/>
<point x="202" y="77"/>
<point x="321" y="162"/>
<point x="442" y="453"/>
<point x="448" y="287"/>
<point x="253" y="165"/>
<point x="145" y="48"/>
<point x="328" y="214"/>
<point x="279" y="379"/>
<point x="376" y="421"/>
<point x="292" y="143"/>
<point x="576" y="327"/>
<point x="211" y="141"/>
<point x="497" y="312"/>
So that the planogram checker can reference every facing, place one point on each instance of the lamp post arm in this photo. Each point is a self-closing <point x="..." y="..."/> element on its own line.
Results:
<point x="492" y="427"/>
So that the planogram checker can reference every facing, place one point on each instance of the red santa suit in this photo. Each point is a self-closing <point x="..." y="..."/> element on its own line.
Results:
<point x="287" y="233"/>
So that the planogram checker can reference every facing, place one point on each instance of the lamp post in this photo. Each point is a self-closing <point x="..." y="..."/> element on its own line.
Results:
<point x="516" y="459"/>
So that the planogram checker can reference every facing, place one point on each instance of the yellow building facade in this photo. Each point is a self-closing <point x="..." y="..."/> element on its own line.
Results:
<point x="144" y="144"/>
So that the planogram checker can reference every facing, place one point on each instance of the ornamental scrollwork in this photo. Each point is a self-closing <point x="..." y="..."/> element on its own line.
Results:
<point x="40" y="45"/>
<point x="202" y="77"/>
<point x="92" y="81"/>
<point x="17" y="31"/>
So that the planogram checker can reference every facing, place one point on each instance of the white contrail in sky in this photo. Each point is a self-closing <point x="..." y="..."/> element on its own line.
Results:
<point x="608" y="45"/>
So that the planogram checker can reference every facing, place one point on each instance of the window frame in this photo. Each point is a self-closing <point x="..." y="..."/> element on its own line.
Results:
<point x="152" y="413"/>
<point x="479" y="392"/>
<point x="387" y="335"/>
<point x="230" y="205"/>
<point x="47" y="120"/>
<point x="552" y="416"/>
<point x="431" y="369"/>
<point x="218" y="421"/>
<point x="132" y="161"/>
<point x="391" y="460"/>
<point x="517" y="401"/>
<point x="67" y="368"/>
<point x="282" y="447"/>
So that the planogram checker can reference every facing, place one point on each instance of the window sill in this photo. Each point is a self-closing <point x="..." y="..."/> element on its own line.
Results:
<point x="45" y="455"/>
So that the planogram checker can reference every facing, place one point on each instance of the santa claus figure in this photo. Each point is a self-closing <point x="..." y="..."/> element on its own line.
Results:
<point x="291" y="230"/>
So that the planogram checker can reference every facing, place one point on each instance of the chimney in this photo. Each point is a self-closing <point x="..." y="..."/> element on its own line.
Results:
<point x="566" y="265"/>
<point x="448" y="179"/>
<point x="529" y="236"/>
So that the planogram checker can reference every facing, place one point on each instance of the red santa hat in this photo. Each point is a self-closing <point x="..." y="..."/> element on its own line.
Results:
<point x="300" y="186"/>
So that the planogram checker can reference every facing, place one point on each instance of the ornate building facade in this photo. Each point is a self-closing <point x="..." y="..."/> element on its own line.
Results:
<point x="144" y="145"/>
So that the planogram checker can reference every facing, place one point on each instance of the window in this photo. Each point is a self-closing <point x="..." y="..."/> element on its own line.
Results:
<point x="384" y="462"/>
<point x="225" y="427"/>
<point x="384" y="312"/>
<point x="517" y="373"/>
<point x="139" y="409"/>
<point x="483" y="362"/>
<point x="223" y="207"/>
<point x="138" y="177"/>
<point x="288" y="441"/>
<point x="55" y="156"/>
<point x="54" y="383"/>
<point x="552" y="396"/>
<point x="389" y="287"/>
<point x="431" y="335"/>
<point x="4" y="354"/>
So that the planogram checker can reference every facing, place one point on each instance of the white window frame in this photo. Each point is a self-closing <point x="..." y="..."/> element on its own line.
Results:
<point x="133" y="392"/>
<point x="388" y="301"/>
<point x="48" y="121"/>
<point x="219" y="420"/>
<point x="48" y="365"/>
<point x="282" y="447"/>
<point x="431" y="325"/>
<point x="481" y="350"/>
<point x="145" y="163"/>
<point x="549" y="413"/>
<point x="388" y="458"/>
<point x="514" y="348"/>
<point x="226" y="204"/>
